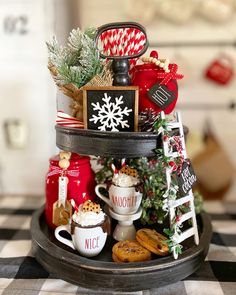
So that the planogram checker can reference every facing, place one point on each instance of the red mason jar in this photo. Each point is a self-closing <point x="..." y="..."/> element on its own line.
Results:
<point x="145" y="76"/>
<point x="80" y="187"/>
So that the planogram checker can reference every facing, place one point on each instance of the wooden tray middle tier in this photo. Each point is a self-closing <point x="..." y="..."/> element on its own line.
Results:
<point x="107" y="144"/>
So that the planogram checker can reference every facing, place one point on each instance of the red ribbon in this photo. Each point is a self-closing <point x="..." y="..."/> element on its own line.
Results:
<point x="169" y="76"/>
<point x="56" y="170"/>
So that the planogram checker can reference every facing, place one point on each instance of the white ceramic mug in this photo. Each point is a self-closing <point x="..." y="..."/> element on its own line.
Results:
<point x="123" y="200"/>
<point x="88" y="241"/>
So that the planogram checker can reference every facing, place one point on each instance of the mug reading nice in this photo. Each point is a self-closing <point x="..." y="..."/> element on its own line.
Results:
<point x="123" y="200"/>
<point x="88" y="230"/>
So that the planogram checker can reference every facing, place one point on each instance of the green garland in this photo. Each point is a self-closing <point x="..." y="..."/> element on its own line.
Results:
<point x="152" y="171"/>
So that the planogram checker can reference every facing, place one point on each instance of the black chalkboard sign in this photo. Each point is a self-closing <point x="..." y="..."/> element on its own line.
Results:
<point x="113" y="108"/>
<point x="161" y="95"/>
<point x="186" y="178"/>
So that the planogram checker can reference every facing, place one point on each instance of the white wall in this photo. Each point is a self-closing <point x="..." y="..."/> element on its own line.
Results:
<point x="27" y="94"/>
<point x="192" y="61"/>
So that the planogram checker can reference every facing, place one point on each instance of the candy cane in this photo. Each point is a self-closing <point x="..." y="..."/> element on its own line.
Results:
<point x="85" y="197"/>
<point x="123" y="164"/>
<point x="115" y="170"/>
<point x="74" y="205"/>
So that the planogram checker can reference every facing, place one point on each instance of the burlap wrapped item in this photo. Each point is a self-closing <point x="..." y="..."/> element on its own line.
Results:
<point x="76" y="94"/>
<point x="213" y="168"/>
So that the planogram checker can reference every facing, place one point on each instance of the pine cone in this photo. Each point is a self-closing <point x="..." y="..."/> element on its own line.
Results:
<point x="147" y="119"/>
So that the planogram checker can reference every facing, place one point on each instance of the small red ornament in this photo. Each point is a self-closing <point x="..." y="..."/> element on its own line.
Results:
<point x="220" y="70"/>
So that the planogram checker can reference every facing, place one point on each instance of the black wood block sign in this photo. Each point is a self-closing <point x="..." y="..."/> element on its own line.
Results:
<point x="113" y="108"/>
<point x="161" y="95"/>
<point x="186" y="178"/>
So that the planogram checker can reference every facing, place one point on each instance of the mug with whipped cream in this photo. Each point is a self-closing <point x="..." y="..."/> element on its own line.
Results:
<point x="124" y="198"/>
<point x="88" y="228"/>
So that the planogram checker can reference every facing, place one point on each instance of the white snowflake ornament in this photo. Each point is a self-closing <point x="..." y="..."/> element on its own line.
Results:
<point x="110" y="115"/>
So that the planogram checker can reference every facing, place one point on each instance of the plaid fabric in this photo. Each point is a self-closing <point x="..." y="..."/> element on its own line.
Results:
<point x="21" y="274"/>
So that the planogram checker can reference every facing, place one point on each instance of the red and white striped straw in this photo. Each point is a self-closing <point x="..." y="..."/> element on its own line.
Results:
<point x="123" y="42"/>
<point x="66" y="120"/>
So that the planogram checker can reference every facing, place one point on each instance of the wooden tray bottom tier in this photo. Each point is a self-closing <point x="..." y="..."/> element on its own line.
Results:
<point x="102" y="273"/>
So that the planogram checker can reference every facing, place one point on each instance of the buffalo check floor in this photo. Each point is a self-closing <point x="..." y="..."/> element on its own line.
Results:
<point x="20" y="273"/>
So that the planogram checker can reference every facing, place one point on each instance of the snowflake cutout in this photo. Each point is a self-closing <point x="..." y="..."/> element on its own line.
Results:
<point x="110" y="115"/>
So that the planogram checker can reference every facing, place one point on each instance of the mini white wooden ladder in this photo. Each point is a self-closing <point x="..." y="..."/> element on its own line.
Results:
<point x="173" y="204"/>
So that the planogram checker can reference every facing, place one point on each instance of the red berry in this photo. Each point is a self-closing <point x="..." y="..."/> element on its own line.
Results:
<point x="165" y="137"/>
<point x="173" y="165"/>
<point x="153" y="217"/>
<point x="150" y="194"/>
<point x="154" y="54"/>
<point x="177" y="218"/>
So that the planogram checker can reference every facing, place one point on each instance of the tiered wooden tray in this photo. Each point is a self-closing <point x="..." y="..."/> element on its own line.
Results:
<point x="101" y="272"/>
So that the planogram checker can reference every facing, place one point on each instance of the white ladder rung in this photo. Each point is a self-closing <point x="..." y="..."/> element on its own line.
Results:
<point x="186" y="216"/>
<point x="174" y="125"/>
<point x="175" y="154"/>
<point x="181" y="201"/>
<point x="185" y="235"/>
<point x="172" y="154"/>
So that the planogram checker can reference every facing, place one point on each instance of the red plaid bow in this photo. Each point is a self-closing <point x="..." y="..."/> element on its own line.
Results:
<point x="169" y="76"/>
<point x="56" y="170"/>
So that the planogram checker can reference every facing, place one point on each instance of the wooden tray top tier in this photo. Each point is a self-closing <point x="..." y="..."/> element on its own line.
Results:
<point x="102" y="273"/>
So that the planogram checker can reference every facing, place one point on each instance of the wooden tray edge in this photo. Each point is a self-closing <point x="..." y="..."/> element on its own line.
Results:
<point x="152" y="274"/>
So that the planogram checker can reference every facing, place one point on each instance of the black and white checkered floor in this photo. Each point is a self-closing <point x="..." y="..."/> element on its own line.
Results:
<point x="21" y="274"/>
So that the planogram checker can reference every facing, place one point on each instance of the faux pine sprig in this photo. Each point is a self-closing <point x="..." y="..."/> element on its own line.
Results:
<point x="77" y="62"/>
